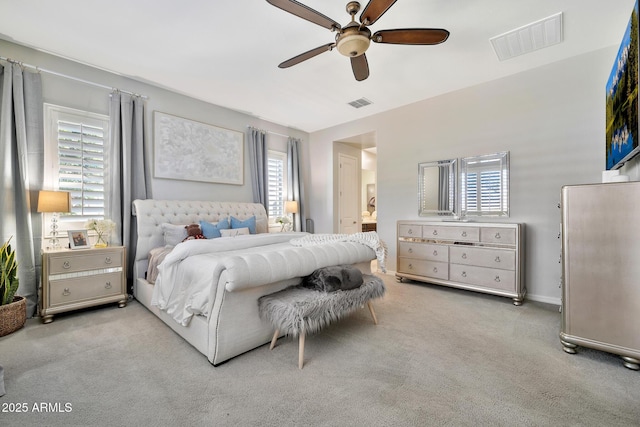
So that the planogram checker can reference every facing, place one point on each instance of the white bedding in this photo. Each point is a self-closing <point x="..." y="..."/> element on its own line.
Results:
<point x="189" y="275"/>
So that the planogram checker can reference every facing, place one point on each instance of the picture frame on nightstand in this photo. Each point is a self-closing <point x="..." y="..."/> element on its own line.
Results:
<point x="78" y="239"/>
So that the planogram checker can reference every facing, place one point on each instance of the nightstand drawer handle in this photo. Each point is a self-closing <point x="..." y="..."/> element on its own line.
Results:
<point x="410" y="250"/>
<point x="435" y="232"/>
<point x="497" y="259"/>
<point x="464" y="234"/>
<point x="435" y="269"/>
<point x="497" y="235"/>
<point x="435" y="253"/>
<point x="464" y="256"/>
<point x="107" y="285"/>
<point x="66" y="292"/>
<point x="497" y="279"/>
<point x="410" y="231"/>
<point x="410" y="266"/>
<point x="107" y="260"/>
<point x="464" y="274"/>
<point x="66" y="264"/>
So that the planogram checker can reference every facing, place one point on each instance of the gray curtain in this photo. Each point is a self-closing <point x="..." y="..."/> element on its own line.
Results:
<point x="259" y="166"/>
<point x="295" y="183"/>
<point x="22" y="163"/>
<point x="127" y="168"/>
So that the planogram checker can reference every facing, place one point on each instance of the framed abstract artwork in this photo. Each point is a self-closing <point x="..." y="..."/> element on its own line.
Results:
<point x="193" y="151"/>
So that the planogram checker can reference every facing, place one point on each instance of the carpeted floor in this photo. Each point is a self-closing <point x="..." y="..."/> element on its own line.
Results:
<point x="439" y="356"/>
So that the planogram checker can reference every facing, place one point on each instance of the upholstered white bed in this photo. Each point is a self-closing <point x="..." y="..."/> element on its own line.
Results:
<point x="232" y="326"/>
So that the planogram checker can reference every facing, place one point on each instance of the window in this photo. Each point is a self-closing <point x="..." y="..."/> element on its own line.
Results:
<point x="484" y="184"/>
<point x="76" y="149"/>
<point x="277" y="186"/>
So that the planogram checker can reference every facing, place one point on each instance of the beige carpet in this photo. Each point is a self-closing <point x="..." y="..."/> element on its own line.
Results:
<point x="439" y="356"/>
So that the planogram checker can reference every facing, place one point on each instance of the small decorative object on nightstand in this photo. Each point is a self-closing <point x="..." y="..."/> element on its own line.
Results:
<point x="82" y="278"/>
<point x="103" y="229"/>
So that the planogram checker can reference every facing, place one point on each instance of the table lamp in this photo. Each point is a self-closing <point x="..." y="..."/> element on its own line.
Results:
<point x="291" y="207"/>
<point x="54" y="202"/>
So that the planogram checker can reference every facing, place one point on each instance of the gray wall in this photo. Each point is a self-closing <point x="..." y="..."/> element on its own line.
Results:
<point x="551" y="119"/>
<point x="69" y="93"/>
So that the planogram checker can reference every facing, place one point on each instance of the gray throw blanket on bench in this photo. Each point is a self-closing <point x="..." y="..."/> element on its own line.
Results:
<point x="334" y="278"/>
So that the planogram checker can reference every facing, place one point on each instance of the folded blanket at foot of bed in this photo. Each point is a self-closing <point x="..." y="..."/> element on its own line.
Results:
<point x="333" y="278"/>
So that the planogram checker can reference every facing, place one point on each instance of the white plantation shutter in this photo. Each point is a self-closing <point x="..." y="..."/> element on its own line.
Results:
<point x="277" y="173"/>
<point x="81" y="161"/>
<point x="483" y="191"/>
<point x="76" y="154"/>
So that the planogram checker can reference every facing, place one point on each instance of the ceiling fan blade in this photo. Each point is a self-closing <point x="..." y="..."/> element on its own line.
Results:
<point x="411" y="36"/>
<point x="360" y="67"/>
<point x="305" y="12"/>
<point x="374" y="10"/>
<point x="307" y="55"/>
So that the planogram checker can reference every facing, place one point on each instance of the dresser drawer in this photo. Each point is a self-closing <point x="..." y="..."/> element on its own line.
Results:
<point x="504" y="259"/>
<point x="442" y="232"/>
<point x="85" y="288"/>
<point x="503" y="235"/>
<point x="504" y="280"/>
<point x="424" y="251"/>
<point x="410" y="230"/>
<point x="419" y="267"/>
<point x="77" y="261"/>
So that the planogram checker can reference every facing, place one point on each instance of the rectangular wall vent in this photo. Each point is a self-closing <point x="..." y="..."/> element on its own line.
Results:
<point x="537" y="35"/>
<point x="362" y="102"/>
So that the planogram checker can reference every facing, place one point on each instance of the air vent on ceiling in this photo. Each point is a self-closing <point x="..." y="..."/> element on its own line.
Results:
<point x="362" y="102"/>
<point x="537" y="35"/>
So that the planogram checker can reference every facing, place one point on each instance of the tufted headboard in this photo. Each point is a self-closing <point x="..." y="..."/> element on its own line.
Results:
<point x="151" y="214"/>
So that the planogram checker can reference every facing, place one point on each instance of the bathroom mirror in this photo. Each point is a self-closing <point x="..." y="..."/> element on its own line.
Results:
<point x="484" y="185"/>
<point x="437" y="183"/>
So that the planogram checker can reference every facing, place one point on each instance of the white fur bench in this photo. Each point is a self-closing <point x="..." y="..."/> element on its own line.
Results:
<point x="298" y="311"/>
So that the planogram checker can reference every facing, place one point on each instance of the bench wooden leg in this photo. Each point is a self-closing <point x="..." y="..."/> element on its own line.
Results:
<point x="301" y="350"/>
<point x="274" y="339"/>
<point x="373" y="313"/>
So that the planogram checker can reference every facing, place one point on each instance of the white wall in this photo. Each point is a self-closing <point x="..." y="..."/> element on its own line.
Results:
<point x="550" y="119"/>
<point x="68" y="93"/>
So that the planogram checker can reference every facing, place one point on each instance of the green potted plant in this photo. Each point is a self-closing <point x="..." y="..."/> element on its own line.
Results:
<point x="13" y="308"/>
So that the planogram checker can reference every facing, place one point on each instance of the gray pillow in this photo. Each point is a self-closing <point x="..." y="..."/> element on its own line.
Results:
<point x="334" y="278"/>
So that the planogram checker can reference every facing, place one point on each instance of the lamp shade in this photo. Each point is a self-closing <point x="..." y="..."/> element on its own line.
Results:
<point x="291" y="206"/>
<point x="54" y="201"/>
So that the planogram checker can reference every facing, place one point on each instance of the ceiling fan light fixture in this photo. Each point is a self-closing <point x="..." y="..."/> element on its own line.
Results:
<point x="353" y="44"/>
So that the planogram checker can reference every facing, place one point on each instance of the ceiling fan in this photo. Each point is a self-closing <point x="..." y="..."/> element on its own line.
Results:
<point x="354" y="38"/>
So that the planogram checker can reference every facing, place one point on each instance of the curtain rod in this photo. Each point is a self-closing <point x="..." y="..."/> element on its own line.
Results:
<point x="268" y="131"/>
<point x="55" y="73"/>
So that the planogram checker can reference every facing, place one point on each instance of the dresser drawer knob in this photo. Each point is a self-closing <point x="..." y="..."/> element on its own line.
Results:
<point x="497" y="279"/>
<point x="464" y="255"/>
<point x="435" y="232"/>
<point x="66" y="292"/>
<point x="435" y="253"/>
<point x="66" y="264"/>
<point x="435" y="269"/>
<point x="497" y="235"/>
<point x="410" y="231"/>
<point x="497" y="259"/>
<point x="410" y="266"/>
<point x="107" y="285"/>
<point x="464" y="274"/>
<point x="107" y="260"/>
<point x="410" y="250"/>
<point x="464" y="234"/>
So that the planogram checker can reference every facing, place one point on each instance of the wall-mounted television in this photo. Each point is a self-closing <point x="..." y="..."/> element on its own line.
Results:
<point x="622" y="99"/>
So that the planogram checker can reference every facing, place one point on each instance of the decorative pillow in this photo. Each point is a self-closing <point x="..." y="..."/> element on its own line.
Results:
<point x="250" y="223"/>
<point x="211" y="231"/>
<point x="173" y="234"/>
<point x="233" y="232"/>
<point x="334" y="278"/>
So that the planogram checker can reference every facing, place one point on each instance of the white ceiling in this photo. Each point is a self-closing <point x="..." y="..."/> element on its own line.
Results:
<point x="227" y="52"/>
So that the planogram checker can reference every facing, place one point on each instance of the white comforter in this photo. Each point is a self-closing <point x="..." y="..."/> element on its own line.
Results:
<point x="188" y="277"/>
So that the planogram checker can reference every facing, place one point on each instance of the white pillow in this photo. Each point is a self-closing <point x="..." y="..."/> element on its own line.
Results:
<point x="173" y="234"/>
<point x="233" y="232"/>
